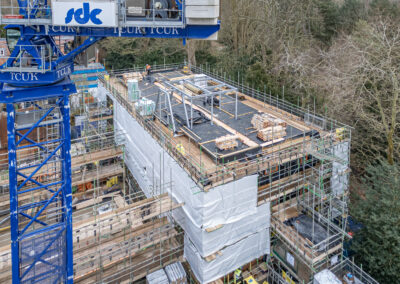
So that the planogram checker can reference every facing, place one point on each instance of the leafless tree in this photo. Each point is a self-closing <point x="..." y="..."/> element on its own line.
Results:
<point x="363" y="80"/>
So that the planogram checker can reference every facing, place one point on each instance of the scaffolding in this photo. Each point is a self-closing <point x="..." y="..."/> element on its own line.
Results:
<point x="347" y="266"/>
<point x="119" y="234"/>
<point x="305" y="178"/>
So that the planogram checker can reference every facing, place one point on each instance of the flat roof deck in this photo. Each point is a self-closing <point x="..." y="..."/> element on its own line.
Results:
<point x="198" y="123"/>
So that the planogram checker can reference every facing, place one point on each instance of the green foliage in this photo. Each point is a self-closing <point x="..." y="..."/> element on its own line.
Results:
<point x="259" y="79"/>
<point x="337" y="18"/>
<point x="330" y="19"/>
<point x="2" y="31"/>
<point x="203" y="56"/>
<point x="121" y="53"/>
<point x="385" y="7"/>
<point x="378" y="243"/>
<point x="350" y="13"/>
<point x="257" y="76"/>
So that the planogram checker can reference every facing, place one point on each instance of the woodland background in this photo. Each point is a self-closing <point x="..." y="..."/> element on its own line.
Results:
<point x="341" y="56"/>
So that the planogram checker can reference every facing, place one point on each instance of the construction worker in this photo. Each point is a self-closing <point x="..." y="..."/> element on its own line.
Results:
<point x="148" y="69"/>
<point x="238" y="276"/>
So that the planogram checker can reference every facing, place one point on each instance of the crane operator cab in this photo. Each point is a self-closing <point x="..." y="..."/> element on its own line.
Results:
<point x="119" y="13"/>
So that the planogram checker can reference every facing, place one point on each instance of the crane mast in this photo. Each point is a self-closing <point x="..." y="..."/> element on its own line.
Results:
<point x="38" y="72"/>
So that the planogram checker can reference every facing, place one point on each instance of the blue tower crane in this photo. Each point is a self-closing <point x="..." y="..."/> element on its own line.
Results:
<point x="38" y="72"/>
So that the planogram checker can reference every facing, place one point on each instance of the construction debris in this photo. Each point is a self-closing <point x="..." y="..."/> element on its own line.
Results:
<point x="227" y="142"/>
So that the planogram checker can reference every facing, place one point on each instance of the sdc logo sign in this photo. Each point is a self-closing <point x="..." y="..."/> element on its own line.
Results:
<point x="88" y="13"/>
<point x="84" y="15"/>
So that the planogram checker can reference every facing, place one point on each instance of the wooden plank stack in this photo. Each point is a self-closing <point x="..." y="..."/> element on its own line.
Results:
<point x="227" y="142"/>
<point x="261" y="121"/>
<point x="193" y="89"/>
<point x="271" y="133"/>
<point x="212" y="83"/>
<point x="129" y="76"/>
<point x="280" y="122"/>
<point x="269" y="127"/>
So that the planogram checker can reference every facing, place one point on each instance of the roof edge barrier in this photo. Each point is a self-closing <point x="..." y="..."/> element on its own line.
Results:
<point x="210" y="176"/>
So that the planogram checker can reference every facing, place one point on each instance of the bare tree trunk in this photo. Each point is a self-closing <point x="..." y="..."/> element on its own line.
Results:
<point x="390" y="150"/>
<point x="191" y="47"/>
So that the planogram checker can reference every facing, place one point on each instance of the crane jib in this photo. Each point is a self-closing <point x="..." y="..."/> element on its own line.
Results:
<point x="63" y="67"/>
<point x="37" y="78"/>
<point x="59" y="69"/>
<point x="190" y="31"/>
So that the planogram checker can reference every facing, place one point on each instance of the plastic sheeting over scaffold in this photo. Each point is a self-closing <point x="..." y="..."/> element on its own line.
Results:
<point x="208" y="243"/>
<point x="326" y="277"/>
<point x="150" y="164"/>
<point x="229" y="258"/>
<point x="340" y="177"/>
<point x="213" y="220"/>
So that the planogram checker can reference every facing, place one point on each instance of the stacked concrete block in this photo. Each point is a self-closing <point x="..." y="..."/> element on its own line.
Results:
<point x="176" y="273"/>
<point x="157" y="277"/>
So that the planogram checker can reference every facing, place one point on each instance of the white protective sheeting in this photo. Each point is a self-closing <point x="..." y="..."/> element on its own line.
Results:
<point x="208" y="243"/>
<point x="326" y="277"/>
<point x="100" y="93"/>
<point x="176" y="273"/>
<point x="229" y="259"/>
<point x="157" y="277"/>
<point x="242" y="227"/>
<point x="340" y="177"/>
<point x="148" y="162"/>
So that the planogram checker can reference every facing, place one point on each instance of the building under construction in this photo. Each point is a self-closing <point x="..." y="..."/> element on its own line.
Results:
<point x="184" y="172"/>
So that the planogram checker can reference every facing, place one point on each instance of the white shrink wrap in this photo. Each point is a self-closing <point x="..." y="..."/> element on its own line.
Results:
<point x="229" y="258"/>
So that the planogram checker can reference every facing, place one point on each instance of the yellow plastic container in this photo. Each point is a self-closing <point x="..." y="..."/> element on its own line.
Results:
<point x="250" y="280"/>
<point x="340" y="132"/>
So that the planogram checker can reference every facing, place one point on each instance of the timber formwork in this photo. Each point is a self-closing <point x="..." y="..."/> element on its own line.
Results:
<point x="303" y="175"/>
